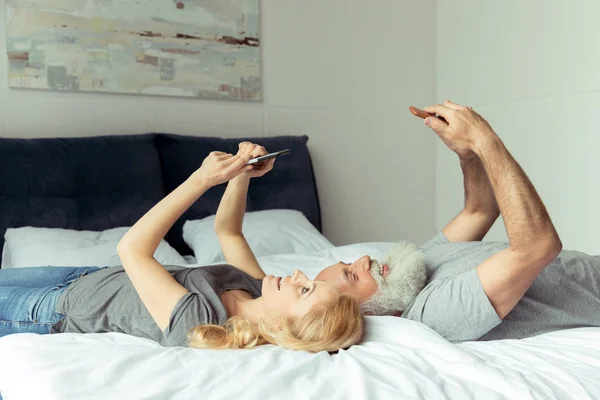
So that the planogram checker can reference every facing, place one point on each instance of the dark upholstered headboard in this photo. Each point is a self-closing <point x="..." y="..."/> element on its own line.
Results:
<point x="103" y="182"/>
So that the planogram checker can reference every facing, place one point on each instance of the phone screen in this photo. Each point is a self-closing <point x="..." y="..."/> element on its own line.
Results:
<point x="424" y="114"/>
<point x="268" y="156"/>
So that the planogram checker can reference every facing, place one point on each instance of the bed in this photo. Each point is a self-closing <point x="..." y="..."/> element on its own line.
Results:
<point x="98" y="183"/>
<point x="103" y="183"/>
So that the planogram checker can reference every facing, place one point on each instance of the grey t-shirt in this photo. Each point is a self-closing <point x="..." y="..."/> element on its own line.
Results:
<point x="106" y="301"/>
<point x="453" y="303"/>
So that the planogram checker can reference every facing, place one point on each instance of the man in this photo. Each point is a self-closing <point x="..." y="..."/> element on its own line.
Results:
<point x="466" y="289"/>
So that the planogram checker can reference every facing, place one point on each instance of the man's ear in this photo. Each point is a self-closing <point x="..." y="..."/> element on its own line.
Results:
<point x="394" y="314"/>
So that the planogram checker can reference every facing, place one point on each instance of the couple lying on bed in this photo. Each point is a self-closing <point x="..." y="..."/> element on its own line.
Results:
<point x="461" y="287"/>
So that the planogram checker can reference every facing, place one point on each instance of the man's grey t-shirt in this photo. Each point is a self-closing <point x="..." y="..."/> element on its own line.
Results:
<point x="106" y="301"/>
<point x="453" y="303"/>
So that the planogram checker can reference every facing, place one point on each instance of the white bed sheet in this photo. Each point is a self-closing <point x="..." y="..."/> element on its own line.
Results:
<point x="399" y="359"/>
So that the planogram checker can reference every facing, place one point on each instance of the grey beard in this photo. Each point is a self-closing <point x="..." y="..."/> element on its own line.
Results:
<point x="405" y="280"/>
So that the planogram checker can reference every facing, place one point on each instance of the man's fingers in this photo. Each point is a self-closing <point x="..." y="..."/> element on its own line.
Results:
<point x="440" y="110"/>
<point x="435" y="124"/>
<point x="452" y="105"/>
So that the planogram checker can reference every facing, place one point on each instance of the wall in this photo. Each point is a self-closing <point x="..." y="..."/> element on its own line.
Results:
<point x="342" y="72"/>
<point x="531" y="68"/>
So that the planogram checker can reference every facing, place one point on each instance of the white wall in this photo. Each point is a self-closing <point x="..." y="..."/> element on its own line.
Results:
<point x="341" y="71"/>
<point x="532" y="69"/>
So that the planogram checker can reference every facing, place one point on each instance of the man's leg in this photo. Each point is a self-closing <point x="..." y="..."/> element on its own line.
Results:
<point x="40" y="277"/>
<point x="31" y="310"/>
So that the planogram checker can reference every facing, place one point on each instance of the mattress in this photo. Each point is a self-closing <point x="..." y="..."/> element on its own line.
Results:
<point x="399" y="359"/>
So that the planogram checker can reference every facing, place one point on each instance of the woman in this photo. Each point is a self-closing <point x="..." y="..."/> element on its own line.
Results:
<point x="208" y="307"/>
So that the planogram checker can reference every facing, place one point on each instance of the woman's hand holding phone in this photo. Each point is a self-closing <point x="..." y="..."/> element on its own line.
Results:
<point x="219" y="167"/>
<point x="253" y="150"/>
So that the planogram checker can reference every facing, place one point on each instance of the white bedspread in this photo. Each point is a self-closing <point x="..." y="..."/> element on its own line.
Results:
<point x="400" y="359"/>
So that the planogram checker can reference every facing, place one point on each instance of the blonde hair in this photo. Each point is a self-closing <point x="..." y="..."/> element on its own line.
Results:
<point x="326" y="327"/>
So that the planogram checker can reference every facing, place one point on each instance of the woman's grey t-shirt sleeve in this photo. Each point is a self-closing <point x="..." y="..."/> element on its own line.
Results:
<point x="189" y="312"/>
<point x="456" y="307"/>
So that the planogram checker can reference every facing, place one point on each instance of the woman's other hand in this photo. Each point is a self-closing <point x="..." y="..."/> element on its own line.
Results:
<point x="219" y="167"/>
<point x="255" y="150"/>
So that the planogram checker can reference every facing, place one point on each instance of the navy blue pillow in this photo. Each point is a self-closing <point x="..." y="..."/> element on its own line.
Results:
<point x="290" y="185"/>
<point x="92" y="183"/>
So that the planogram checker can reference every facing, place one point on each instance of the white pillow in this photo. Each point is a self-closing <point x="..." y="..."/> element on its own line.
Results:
<point x="267" y="232"/>
<point x="31" y="247"/>
<point x="312" y="264"/>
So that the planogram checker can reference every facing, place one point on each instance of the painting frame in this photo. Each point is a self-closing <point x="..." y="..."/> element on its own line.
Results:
<point x="212" y="52"/>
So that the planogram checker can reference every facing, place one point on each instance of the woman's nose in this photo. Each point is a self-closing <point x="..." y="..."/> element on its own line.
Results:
<point x="298" y="275"/>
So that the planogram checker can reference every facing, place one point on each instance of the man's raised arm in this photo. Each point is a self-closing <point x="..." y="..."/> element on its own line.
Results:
<point x="480" y="209"/>
<point x="534" y="242"/>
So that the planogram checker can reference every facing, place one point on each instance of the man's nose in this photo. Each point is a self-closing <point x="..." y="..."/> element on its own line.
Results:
<point x="365" y="263"/>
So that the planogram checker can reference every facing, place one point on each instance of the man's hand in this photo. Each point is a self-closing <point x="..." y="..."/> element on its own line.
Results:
<point x="464" y="131"/>
<point x="533" y="240"/>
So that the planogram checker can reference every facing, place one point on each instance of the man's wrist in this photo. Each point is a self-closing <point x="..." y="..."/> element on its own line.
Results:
<point x="487" y="144"/>
<point x="470" y="162"/>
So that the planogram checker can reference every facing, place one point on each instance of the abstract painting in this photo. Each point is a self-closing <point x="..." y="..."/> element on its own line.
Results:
<point x="193" y="48"/>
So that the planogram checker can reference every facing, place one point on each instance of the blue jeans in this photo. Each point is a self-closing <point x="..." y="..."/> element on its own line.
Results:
<point x="28" y="297"/>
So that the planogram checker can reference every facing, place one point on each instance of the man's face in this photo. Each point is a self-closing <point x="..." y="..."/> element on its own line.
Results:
<point x="357" y="278"/>
<point x="385" y="288"/>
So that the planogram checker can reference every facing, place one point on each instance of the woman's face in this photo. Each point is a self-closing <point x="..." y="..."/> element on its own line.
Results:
<point x="294" y="296"/>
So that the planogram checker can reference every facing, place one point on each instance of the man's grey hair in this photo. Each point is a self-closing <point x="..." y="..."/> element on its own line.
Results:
<point x="406" y="279"/>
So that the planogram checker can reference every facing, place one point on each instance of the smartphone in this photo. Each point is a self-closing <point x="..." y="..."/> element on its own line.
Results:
<point x="268" y="156"/>
<point x="424" y="114"/>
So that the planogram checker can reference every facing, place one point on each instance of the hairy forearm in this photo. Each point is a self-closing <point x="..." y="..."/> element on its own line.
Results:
<point x="480" y="210"/>
<point x="527" y="222"/>
<point x="144" y="237"/>
<point x="232" y="207"/>
<point x="479" y="194"/>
